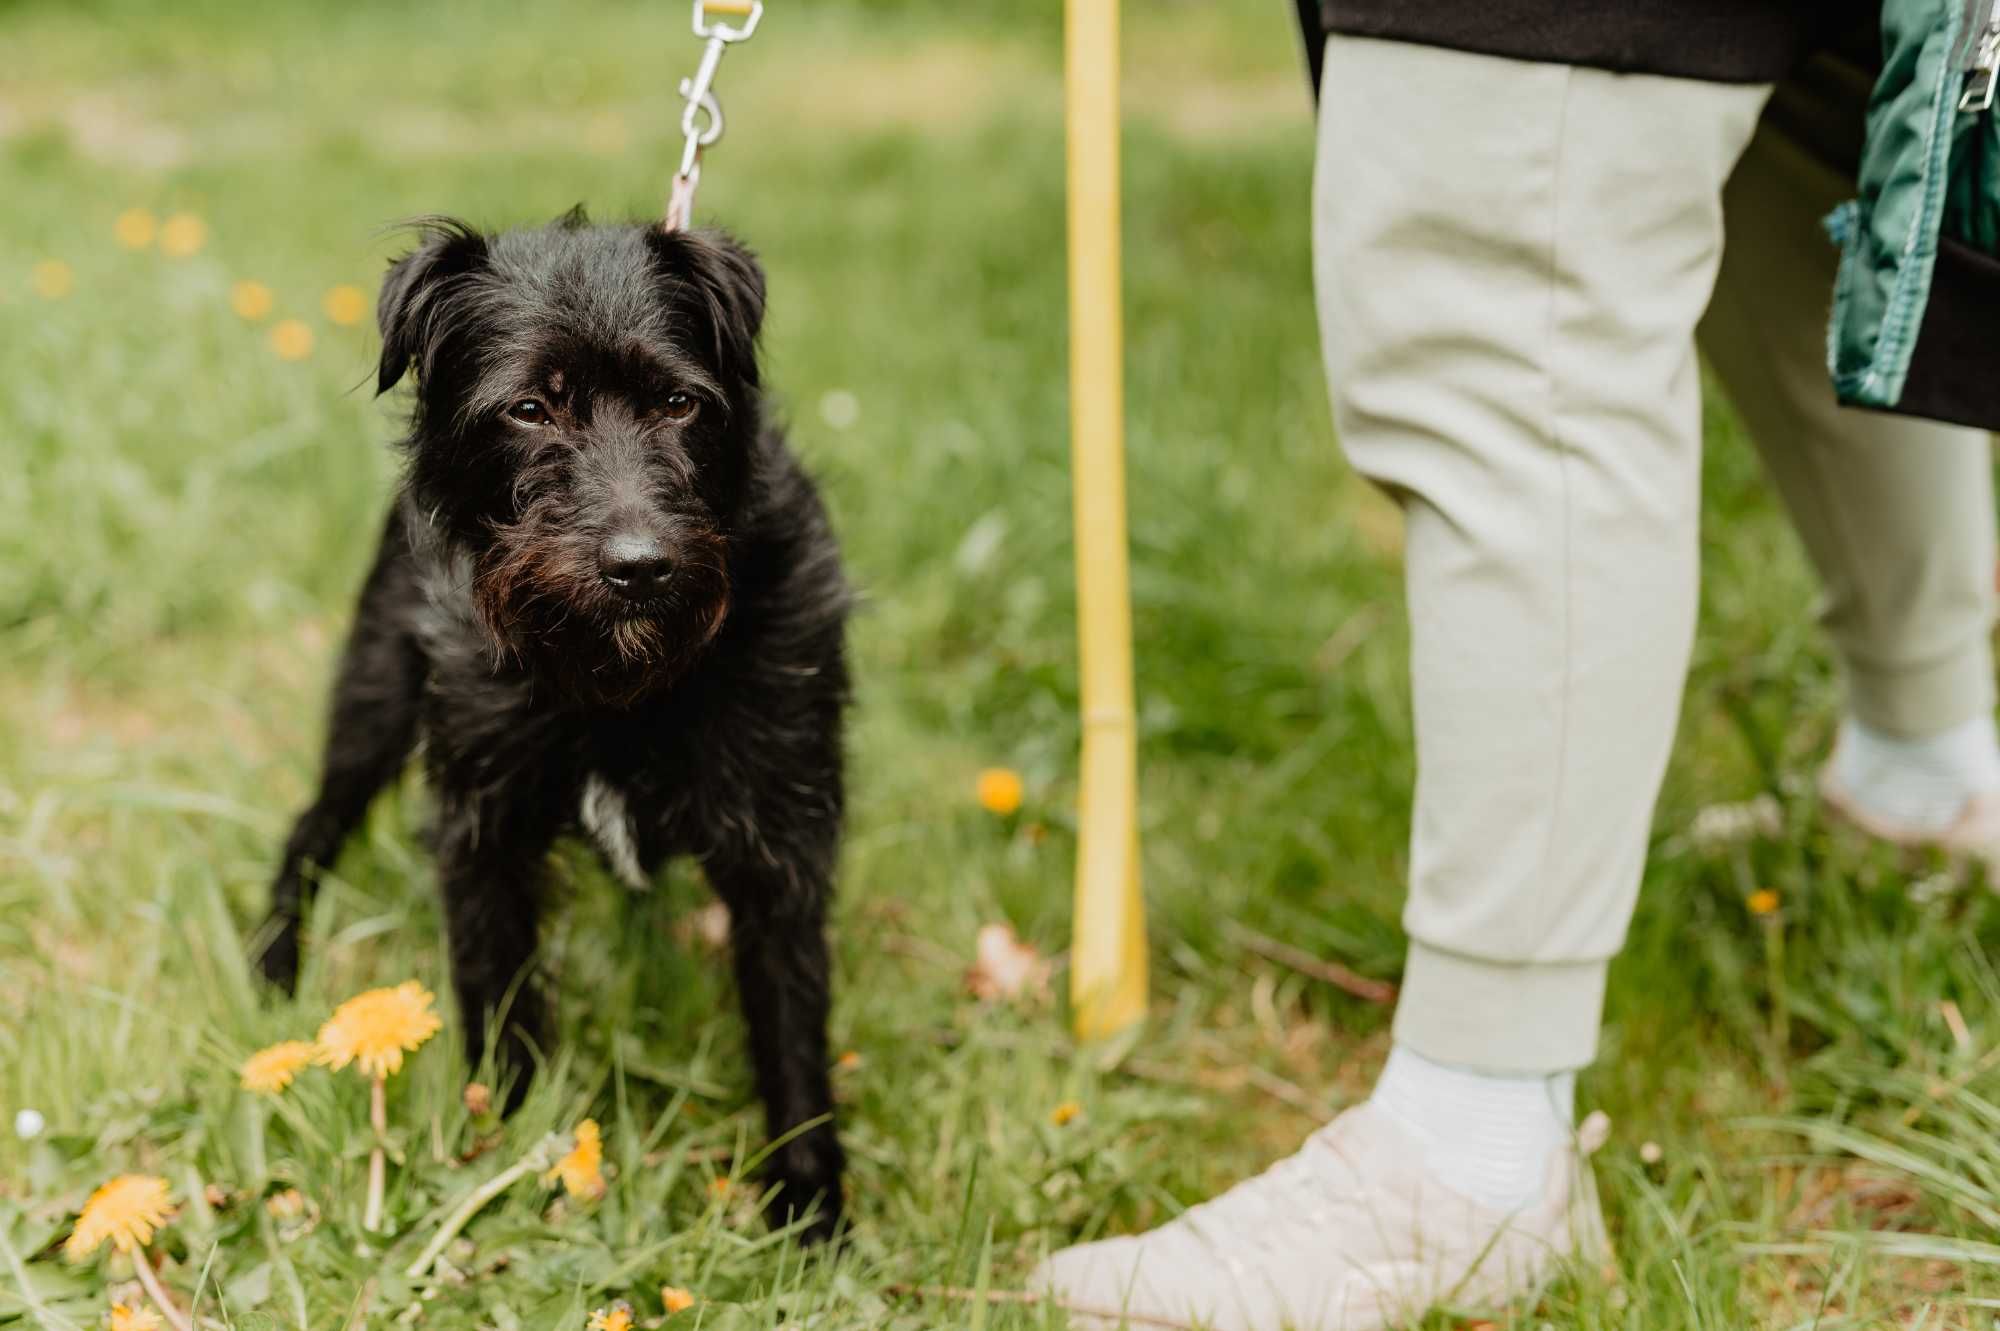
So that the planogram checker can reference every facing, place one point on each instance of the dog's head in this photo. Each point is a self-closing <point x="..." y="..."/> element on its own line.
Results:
<point x="585" y="419"/>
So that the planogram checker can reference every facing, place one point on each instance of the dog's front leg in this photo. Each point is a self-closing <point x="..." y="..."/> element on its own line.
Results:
<point x="491" y="857"/>
<point x="372" y="730"/>
<point x="778" y="934"/>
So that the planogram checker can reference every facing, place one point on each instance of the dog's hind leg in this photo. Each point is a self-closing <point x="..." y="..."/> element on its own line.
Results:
<point x="370" y="731"/>
<point x="777" y="931"/>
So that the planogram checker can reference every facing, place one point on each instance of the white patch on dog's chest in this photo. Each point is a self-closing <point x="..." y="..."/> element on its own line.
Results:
<point x="609" y="823"/>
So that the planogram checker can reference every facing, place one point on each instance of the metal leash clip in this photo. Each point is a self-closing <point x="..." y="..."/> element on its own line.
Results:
<point x="701" y="117"/>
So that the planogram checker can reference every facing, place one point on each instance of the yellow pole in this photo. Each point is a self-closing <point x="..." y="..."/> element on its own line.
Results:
<point x="1108" y="950"/>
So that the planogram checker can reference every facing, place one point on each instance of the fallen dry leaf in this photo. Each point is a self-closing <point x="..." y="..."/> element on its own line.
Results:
<point x="1004" y="967"/>
<point x="707" y="928"/>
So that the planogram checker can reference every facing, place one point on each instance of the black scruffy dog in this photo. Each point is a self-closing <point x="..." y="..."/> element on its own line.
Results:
<point x="607" y="600"/>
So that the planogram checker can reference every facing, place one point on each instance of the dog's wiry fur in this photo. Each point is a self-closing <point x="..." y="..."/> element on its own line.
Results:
<point x="703" y="715"/>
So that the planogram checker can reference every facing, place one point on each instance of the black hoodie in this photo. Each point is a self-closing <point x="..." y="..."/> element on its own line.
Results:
<point x="1722" y="41"/>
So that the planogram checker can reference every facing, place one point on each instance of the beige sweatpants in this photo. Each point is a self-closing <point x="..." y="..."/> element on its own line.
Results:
<point x="1511" y="261"/>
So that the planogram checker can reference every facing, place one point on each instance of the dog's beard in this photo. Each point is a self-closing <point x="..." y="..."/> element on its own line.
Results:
<point x="543" y="604"/>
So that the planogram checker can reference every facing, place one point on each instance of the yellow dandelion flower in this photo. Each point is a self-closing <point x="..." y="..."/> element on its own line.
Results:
<point x="182" y="236"/>
<point x="675" y="1299"/>
<point x="251" y="300"/>
<point x="850" y="1060"/>
<point x="345" y="304"/>
<point x="374" y="1030"/>
<point x="52" y="279"/>
<point x="606" y="134"/>
<point x="1066" y="1112"/>
<point x="291" y="339"/>
<point x="135" y="228"/>
<point x="719" y="1188"/>
<point x="124" y="1318"/>
<point x="126" y="1210"/>
<point x="582" y="1170"/>
<point x="999" y="790"/>
<point x="618" y="1317"/>
<point x="269" y="1071"/>
<point x="1762" y="902"/>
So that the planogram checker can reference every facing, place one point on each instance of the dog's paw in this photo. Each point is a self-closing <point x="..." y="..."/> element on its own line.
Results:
<point x="278" y="959"/>
<point x="805" y="1178"/>
<point x="511" y="1070"/>
<point x="822" y="1224"/>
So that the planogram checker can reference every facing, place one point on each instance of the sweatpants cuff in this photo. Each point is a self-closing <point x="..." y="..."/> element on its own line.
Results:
<point x="1500" y="1017"/>
<point x="1927" y="700"/>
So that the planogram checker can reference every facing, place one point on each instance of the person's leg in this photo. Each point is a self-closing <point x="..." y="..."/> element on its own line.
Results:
<point x="1896" y="513"/>
<point x="1510" y="260"/>
<point x="1523" y="377"/>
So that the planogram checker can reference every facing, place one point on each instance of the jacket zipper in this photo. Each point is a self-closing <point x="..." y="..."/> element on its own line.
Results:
<point x="1982" y="63"/>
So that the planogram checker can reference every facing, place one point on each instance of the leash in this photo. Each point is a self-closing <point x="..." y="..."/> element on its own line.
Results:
<point x="701" y="117"/>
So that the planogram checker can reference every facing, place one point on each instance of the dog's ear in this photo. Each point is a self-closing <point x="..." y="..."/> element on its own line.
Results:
<point x="729" y="282"/>
<point x="407" y="308"/>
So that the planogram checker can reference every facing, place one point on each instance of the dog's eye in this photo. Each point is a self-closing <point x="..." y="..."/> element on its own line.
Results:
<point x="529" y="412"/>
<point x="681" y="406"/>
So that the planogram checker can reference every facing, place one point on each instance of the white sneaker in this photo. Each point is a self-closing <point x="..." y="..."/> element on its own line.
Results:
<point x="1350" y="1234"/>
<point x="1974" y="834"/>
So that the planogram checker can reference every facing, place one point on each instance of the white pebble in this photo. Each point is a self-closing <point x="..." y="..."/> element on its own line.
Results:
<point x="1759" y="819"/>
<point x="839" y="408"/>
<point x="28" y="1124"/>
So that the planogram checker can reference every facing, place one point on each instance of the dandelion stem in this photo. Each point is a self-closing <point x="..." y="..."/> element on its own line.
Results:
<point x="1781" y="1006"/>
<point x="143" y="1265"/>
<point x="254" y="1112"/>
<point x="378" y="1164"/>
<point x="546" y="1152"/>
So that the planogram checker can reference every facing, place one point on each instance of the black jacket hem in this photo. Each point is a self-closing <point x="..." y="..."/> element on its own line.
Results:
<point x="1951" y="376"/>
<point x="1721" y="41"/>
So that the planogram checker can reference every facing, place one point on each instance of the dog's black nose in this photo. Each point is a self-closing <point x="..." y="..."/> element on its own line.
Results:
<point x="634" y="565"/>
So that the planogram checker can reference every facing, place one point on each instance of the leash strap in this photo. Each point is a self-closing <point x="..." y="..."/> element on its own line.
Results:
<point x="701" y="113"/>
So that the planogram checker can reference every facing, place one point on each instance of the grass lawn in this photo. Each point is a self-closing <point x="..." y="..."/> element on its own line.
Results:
<point x="1805" y="1103"/>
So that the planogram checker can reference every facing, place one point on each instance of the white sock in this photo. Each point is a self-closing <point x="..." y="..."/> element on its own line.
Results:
<point x="1488" y="1137"/>
<point x="1921" y="782"/>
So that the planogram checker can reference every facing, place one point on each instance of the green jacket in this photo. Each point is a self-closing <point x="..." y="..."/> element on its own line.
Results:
<point x="1917" y="313"/>
<point x="1916" y="316"/>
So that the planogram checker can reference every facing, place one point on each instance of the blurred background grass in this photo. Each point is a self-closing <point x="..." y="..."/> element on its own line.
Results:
<point x="184" y="515"/>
